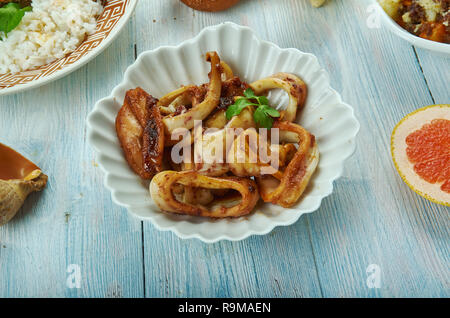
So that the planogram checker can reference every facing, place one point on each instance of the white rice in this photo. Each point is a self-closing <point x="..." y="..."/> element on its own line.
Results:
<point x="52" y="30"/>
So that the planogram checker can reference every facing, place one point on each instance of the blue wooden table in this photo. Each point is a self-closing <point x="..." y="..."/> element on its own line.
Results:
<point x="373" y="237"/>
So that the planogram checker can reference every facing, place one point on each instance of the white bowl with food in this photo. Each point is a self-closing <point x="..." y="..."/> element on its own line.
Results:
<point x="424" y="25"/>
<point x="165" y="89"/>
<point x="48" y="39"/>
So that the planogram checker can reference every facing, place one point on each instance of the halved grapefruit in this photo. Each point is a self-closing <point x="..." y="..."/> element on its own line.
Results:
<point x="420" y="146"/>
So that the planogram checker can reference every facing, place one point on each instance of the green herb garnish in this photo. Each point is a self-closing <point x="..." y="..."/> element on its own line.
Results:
<point x="10" y="17"/>
<point x="263" y="115"/>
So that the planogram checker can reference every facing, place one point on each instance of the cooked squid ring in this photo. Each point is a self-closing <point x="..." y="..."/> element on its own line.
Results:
<point x="226" y="70"/>
<point x="162" y="194"/>
<point x="248" y="162"/>
<point x="291" y="84"/>
<point x="211" y="143"/>
<point x="193" y="195"/>
<point x="243" y="156"/>
<point x="190" y="194"/>
<point x="140" y="131"/>
<point x="203" y="109"/>
<point x="296" y="176"/>
<point x="167" y="104"/>
<point x="216" y="120"/>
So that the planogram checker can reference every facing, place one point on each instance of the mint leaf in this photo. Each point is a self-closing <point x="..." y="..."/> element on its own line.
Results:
<point x="263" y="115"/>
<point x="270" y="111"/>
<point x="262" y="119"/>
<point x="249" y="93"/>
<point x="10" y="17"/>
<point x="237" y="107"/>
<point x="263" y="100"/>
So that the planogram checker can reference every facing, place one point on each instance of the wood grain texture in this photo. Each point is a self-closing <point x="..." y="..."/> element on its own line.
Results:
<point x="436" y="70"/>
<point x="256" y="267"/>
<point x="356" y="225"/>
<point x="372" y="217"/>
<point x="74" y="220"/>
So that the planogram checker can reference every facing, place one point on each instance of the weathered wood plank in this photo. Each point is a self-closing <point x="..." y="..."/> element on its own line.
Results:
<point x="373" y="217"/>
<point x="74" y="220"/>
<point x="436" y="69"/>
<point x="371" y="208"/>
<point x="279" y="264"/>
<point x="276" y="265"/>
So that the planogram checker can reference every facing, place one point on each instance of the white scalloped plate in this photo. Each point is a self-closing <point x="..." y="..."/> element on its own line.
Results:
<point x="166" y="68"/>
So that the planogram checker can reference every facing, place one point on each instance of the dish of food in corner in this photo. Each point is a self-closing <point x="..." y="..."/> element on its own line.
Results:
<point x="428" y="19"/>
<point x="43" y="31"/>
<point x="52" y="38"/>
<point x="225" y="186"/>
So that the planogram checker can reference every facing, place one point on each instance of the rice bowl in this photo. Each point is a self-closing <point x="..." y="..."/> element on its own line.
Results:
<point x="53" y="29"/>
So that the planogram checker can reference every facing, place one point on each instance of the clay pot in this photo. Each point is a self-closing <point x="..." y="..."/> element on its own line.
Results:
<point x="210" y="5"/>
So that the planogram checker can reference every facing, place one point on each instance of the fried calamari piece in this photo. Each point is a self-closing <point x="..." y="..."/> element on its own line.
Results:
<point x="153" y="148"/>
<point x="286" y="190"/>
<point x="161" y="190"/>
<point x="140" y="131"/>
<point x="231" y="89"/>
<point x="203" y="109"/>
<point x="291" y="84"/>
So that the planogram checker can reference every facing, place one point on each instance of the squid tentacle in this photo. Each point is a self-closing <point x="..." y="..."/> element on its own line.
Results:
<point x="203" y="109"/>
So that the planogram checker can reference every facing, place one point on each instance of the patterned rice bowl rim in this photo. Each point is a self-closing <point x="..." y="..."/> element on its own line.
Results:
<point x="114" y="17"/>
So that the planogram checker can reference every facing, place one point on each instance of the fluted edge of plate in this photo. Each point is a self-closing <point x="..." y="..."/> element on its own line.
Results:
<point x="109" y="157"/>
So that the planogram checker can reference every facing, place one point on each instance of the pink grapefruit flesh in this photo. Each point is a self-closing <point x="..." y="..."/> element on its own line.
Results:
<point x="420" y="146"/>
